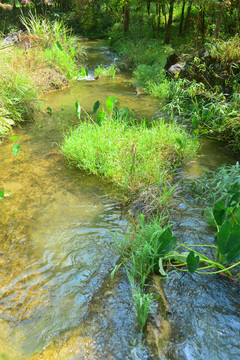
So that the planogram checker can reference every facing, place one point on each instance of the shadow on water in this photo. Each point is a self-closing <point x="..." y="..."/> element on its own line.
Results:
<point x="56" y="298"/>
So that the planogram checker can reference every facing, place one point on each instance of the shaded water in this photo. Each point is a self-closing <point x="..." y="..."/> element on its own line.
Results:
<point x="56" y="298"/>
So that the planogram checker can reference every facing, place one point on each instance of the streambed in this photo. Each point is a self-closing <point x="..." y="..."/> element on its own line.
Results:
<point x="56" y="298"/>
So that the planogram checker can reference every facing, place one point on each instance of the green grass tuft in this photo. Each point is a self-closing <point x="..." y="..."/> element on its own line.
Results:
<point x="131" y="156"/>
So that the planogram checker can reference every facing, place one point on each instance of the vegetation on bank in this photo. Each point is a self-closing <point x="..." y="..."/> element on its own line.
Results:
<point x="45" y="57"/>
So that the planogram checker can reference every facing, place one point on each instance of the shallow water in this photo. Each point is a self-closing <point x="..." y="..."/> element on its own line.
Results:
<point x="56" y="297"/>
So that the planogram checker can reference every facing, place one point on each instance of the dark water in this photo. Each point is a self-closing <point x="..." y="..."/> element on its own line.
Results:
<point x="56" y="255"/>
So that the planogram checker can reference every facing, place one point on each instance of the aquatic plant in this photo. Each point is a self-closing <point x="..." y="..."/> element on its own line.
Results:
<point x="109" y="71"/>
<point x="141" y="248"/>
<point x="130" y="154"/>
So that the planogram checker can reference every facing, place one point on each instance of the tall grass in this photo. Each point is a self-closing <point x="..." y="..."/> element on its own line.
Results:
<point x="226" y="51"/>
<point x="18" y="95"/>
<point x="131" y="156"/>
<point x="47" y="57"/>
<point x="62" y="50"/>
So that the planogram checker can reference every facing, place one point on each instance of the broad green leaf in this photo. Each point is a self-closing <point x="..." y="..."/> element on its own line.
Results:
<point x="87" y="72"/>
<point x="228" y="241"/>
<point x="192" y="262"/>
<point x="1" y="194"/>
<point x="78" y="109"/>
<point x="16" y="148"/>
<point x="83" y="72"/>
<point x="110" y="102"/>
<point x="166" y="242"/>
<point x="96" y="107"/>
<point x="219" y="212"/>
<point x="59" y="45"/>
<point x="209" y="217"/>
<point x="14" y="138"/>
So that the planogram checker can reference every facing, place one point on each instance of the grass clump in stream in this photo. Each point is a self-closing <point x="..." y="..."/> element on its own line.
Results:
<point x="132" y="155"/>
<point x="109" y="71"/>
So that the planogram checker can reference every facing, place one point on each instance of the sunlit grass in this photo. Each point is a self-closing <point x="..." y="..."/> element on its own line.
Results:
<point x="132" y="157"/>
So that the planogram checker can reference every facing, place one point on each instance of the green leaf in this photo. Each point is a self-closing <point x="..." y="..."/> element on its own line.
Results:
<point x="161" y="270"/>
<point x="1" y="194"/>
<point x="16" y="148"/>
<point x="100" y="117"/>
<point x="110" y="102"/>
<point x="177" y="257"/>
<point x="236" y="215"/>
<point x="87" y="72"/>
<point x="83" y="72"/>
<point x="14" y="138"/>
<point x="209" y="217"/>
<point x="49" y="111"/>
<point x="228" y="241"/>
<point x="114" y="270"/>
<point x="219" y="212"/>
<point x="179" y="141"/>
<point x="59" y="46"/>
<point x="78" y="109"/>
<point x="166" y="241"/>
<point x="96" y="107"/>
<point x="192" y="262"/>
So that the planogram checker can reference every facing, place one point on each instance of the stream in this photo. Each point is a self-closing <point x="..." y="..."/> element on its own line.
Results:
<point x="56" y="255"/>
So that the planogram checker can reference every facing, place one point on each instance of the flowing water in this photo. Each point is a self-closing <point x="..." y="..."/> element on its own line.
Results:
<point x="56" y="297"/>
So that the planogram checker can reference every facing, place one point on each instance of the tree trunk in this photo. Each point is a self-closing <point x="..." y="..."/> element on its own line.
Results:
<point x="158" y="11"/>
<point x="164" y="13"/>
<point x="238" y="16"/>
<point x="126" y="22"/>
<point x="218" y="23"/>
<point x="182" y="18"/>
<point x="187" y="19"/>
<point x="202" y="23"/>
<point x="169" y="25"/>
<point x="148" y="6"/>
